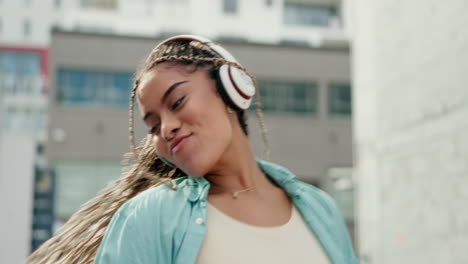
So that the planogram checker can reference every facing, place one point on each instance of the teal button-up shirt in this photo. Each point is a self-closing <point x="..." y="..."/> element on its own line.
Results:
<point x="165" y="226"/>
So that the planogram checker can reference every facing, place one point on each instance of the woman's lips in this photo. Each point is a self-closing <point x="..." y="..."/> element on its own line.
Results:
<point x="179" y="144"/>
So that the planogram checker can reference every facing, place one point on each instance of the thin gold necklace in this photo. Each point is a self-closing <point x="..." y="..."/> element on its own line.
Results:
<point x="235" y="194"/>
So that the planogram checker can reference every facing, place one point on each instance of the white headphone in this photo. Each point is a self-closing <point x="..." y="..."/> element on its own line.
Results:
<point x="237" y="84"/>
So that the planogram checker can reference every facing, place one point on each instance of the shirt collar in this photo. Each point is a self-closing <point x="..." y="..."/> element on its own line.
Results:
<point x="283" y="177"/>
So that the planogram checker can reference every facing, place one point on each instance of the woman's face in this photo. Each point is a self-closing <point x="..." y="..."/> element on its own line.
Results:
<point x="190" y="124"/>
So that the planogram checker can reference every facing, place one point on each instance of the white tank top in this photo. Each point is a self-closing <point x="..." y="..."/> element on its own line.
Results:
<point x="230" y="241"/>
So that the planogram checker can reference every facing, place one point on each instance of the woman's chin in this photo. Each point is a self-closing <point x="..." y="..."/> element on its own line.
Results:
<point x="193" y="173"/>
<point x="194" y="168"/>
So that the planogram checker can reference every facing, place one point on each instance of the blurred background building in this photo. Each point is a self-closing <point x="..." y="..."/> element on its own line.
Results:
<point x="24" y="41"/>
<point x="65" y="93"/>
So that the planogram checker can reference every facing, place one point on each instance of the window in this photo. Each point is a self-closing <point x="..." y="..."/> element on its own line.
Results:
<point x="7" y="62"/>
<point x="288" y="96"/>
<point x="80" y="180"/>
<point x="230" y="7"/>
<point x="309" y="15"/>
<point x="28" y="63"/>
<point x="339" y="99"/>
<point x="149" y="7"/>
<point x="27" y="73"/>
<point x="20" y="72"/>
<point x="86" y="3"/>
<point x="84" y="87"/>
<point x="26" y="28"/>
<point x="100" y="4"/>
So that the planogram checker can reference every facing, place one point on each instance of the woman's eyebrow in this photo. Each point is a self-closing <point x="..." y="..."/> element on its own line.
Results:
<point x="165" y="96"/>
<point x="171" y="88"/>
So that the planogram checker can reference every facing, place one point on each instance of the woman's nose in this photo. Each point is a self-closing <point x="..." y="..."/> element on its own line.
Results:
<point x="169" y="127"/>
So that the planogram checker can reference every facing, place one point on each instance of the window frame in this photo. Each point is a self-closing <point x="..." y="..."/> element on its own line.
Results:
<point x="281" y="96"/>
<point x="230" y="7"/>
<point x="332" y="109"/>
<point x="97" y="88"/>
<point x="290" y="8"/>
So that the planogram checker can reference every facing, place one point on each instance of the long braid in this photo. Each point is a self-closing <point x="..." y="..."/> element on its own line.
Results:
<point x="131" y="117"/>
<point x="78" y="239"/>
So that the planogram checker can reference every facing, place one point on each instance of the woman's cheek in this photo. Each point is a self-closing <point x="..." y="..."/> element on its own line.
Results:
<point x="160" y="148"/>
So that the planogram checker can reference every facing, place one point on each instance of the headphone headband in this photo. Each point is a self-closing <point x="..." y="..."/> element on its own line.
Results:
<point x="216" y="47"/>
<point x="184" y="37"/>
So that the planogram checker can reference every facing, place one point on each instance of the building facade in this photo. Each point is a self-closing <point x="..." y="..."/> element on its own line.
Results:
<point x="262" y="21"/>
<point x="27" y="22"/>
<point x="292" y="21"/>
<point x="23" y="130"/>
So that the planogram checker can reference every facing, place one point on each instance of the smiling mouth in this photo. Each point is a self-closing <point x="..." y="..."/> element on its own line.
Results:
<point x="179" y="143"/>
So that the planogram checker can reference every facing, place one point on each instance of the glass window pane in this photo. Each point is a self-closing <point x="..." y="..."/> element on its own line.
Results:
<point x="100" y="89"/>
<point x="121" y="88"/>
<point x="91" y="83"/>
<point x="79" y="181"/>
<point x="26" y="28"/>
<point x="288" y="96"/>
<point x="101" y="4"/>
<point x="339" y="99"/>
<point x="9" y="61"/>
<point x="302" y="14"/>
<point x="230" y="6"/>
<point x="31" y="63"/>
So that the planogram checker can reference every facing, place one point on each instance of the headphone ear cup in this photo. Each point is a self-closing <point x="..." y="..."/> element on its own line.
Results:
<point x="238" y="86"/>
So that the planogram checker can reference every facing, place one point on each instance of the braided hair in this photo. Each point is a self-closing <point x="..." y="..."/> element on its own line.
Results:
<point x="78" y="239"/>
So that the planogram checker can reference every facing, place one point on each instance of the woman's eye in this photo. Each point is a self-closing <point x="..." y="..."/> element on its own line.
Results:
<point x="177" y="103"/>
<point x="154" y="130"/>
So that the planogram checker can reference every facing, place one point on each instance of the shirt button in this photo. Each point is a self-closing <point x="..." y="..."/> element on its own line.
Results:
<point x="199" y="221"/>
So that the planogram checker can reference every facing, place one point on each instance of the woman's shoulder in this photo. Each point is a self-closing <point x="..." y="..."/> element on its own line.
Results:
<point x="320" y="198"/>
<point x="289" y="181"/>
<point x="143" y="225"/>
<point x="323" y="206"/>
<point x="157" y="198"/>
<point x="314" y="196"/>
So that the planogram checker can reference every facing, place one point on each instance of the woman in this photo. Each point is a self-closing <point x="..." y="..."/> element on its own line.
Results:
<point x="232" y="208"/>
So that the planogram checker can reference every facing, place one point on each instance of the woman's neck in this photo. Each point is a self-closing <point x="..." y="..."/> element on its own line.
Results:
<point x="237" y="169"/>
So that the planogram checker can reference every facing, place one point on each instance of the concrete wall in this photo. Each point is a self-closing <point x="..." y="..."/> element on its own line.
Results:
<point x="17" y="155"/>
<point x="410" y="127"/>
<point x="13" y="14"/>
